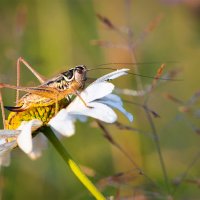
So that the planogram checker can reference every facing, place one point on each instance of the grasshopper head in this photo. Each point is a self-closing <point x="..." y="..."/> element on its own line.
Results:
<point x="76" y="74"/>
<point x="80" y="73"/>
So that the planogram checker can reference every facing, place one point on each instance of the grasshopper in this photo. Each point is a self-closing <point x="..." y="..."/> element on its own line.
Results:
<point x="44" y="101"/>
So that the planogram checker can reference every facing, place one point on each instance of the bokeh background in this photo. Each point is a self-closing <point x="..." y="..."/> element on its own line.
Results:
<point x="58" y="34"/>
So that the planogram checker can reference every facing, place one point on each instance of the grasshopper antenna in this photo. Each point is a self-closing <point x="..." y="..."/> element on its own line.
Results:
<point x="137" y="63"/>
<point x="132" y="73"/>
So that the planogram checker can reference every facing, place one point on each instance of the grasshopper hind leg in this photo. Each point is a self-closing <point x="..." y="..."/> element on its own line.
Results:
<point x="2" y="110"/>
<point x="34" y="72"/>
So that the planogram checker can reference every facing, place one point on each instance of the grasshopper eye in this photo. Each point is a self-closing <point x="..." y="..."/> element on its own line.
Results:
<point x="69" y="75"/>
<point x="80" y="69"/>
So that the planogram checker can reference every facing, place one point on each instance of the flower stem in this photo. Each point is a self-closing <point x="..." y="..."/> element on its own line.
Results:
<point x="72" y="164"/>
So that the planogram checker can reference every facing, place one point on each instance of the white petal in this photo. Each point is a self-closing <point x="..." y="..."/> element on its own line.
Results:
<point x="39" y="144"/>
<point x="8" y="140"/>
<point x="63" y="124"/>
<point x="34" y="124"/>
<point x="24" y="140"/>
<point x="98" y="111"/>
<point x="9" y="133"/>
<point x="112" y="75"/>
<point x="116" y="102"/>
<point x="91" y="93"/>
<point x="7" y="146"/>
<point x="113" y="98"/>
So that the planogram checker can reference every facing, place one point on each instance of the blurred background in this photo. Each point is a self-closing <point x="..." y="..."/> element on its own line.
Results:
<point x="58" y="34"/>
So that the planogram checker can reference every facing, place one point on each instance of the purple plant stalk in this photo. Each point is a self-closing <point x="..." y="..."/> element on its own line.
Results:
<point x="108" y="136"/>
<point x="140" y="87"/>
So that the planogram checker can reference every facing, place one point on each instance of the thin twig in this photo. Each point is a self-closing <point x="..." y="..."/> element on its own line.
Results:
<point x="117" y="145"/>
<point x="140" y="87"/>
<point x="157" y="143"/>
<point x="185" y="173"/>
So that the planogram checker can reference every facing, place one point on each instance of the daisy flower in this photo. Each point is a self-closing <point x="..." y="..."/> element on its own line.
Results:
<point x="96" y="101"/>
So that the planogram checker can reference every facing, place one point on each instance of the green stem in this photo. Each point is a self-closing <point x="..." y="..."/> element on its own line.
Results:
<point x="71" y="163"/>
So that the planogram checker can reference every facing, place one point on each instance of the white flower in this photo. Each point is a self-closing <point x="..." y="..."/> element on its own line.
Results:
<point x="95" y="101"/>
<point x="22" y="137"/>
<point x="32" y="147"/>
<point x="6" y="145"/>
<point x="99" y="101"/>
